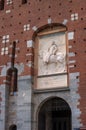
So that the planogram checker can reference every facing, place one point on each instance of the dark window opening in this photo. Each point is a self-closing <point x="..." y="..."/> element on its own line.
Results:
<point x="1" y="4"/>
<point x="24" y="1"/>
<point x="13" y="127"/>
<point x="12" y="80"/>
<point x="12" y="74"/>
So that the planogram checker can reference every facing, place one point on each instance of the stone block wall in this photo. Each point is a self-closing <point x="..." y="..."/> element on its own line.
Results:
<point x="69" y="95"/>
<point x="16" y="109"/>
<point x="2" y="107"/>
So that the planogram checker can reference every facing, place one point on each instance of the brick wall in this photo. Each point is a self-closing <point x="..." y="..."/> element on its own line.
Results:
<point x="19" y="22"/>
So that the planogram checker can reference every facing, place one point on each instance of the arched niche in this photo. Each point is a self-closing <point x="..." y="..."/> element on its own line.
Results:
<point x="12" y="74"/>
<point x="50" y="57"/>
<point x="54" y="114"/>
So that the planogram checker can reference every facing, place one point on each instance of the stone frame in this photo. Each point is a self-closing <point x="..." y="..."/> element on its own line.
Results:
<point x="44" y="32"/>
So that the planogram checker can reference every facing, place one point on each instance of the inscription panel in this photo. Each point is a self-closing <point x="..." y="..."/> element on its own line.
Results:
<point x="58" y="81"/>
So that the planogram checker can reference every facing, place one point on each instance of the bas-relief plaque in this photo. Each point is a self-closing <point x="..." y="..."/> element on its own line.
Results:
<point x="52" y="60"/>
<point x="52" y="54"/>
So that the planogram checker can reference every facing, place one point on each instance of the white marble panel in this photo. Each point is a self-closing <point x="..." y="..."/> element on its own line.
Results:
<point x="58" y="81"/>
<point x="52" y="54"/>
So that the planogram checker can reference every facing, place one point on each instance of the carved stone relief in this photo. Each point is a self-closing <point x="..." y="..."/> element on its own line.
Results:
<point x="52" y="54"/>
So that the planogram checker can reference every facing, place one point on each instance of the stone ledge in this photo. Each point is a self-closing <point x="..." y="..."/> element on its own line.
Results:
<point x="50" y="90"/>
<point x="24" y="77"/>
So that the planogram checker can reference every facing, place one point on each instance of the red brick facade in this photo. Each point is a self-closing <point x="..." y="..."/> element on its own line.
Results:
<point x="35" y="14"/>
